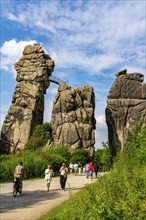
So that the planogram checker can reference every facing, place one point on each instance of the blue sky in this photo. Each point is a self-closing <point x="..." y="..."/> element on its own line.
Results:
<point x="89" y="40"/>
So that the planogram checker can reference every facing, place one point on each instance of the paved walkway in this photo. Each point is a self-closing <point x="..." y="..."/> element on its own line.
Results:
<point x="35" y="200"/>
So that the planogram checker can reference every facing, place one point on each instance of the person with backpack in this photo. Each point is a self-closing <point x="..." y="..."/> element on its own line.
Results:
<point x="18" y="174"/>
<point x="48" y="176"/>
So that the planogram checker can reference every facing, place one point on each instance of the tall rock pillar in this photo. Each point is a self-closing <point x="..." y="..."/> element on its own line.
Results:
<point x="126" y="106"/>
<point x="73" y="121"/>
<point x="27" y="109"/>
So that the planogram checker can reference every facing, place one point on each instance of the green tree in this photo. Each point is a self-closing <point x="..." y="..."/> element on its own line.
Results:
<point x="103" y="157"/>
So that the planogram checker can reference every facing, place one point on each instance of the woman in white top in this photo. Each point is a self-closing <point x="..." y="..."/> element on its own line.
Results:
<point x="48" y="176"/>
<point x="63" y="176"/>
<point x="71" y="167"/>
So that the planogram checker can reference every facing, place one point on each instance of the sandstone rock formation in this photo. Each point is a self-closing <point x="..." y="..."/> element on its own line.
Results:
<point x="73" y="121"/>
<point x="27" y="109"/>
<point x="126" y="106"/>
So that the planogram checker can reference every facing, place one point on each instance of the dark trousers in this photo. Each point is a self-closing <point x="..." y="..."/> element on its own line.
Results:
<point x="63" y="181"/>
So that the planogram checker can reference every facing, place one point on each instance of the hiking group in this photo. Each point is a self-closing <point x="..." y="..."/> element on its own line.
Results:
<point x="86" y="169"/>
<point x="75" y="168"/>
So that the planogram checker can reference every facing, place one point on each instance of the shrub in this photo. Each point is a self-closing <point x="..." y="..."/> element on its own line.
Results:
<point x="42" y="133"/>
<point x="61" y="150"/>
<point x="34" y="163"/>
<point x="80" y="155"/>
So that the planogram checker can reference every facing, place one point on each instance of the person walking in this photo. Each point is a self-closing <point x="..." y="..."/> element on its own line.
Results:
<point x="87" y="170"/>
<point x="79" y="168"/>
<point x="18" y="174"/>
<point x="75" y="168"/>
<point x="71" y="166"/>
<point x="48" y="176"/>
<point x="91" y="170"/>
<point x="63" y="176"/>
<point x="84" y="170"/>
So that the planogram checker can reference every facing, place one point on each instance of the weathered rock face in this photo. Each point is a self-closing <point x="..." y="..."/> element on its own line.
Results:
<point x="27" y="109"/>
<point x="73" y="121"/>
<point x="4" y="147"/>
<point x="126" y="106"/>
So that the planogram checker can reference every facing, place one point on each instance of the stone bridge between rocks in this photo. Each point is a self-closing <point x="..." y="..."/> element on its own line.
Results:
<point x="55" y="80"/>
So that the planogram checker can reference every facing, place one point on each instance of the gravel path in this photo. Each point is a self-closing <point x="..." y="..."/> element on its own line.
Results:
<point x="35" y="199"/>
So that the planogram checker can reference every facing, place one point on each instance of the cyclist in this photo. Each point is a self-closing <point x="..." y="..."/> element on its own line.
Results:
<point x="19" y="172"/>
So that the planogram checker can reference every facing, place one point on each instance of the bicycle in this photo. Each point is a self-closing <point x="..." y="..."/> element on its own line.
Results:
<point x="16" y="187"/>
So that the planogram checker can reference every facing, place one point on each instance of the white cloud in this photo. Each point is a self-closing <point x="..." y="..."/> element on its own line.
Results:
<point x="83" y="38"/>
<point x="48" y="110"/>
<point x="93" y="65"/>
<point x="114" y="22"/>
<point x="20" y="18"/>
<point x="52" y="90"/>
<point x="135" y="69"/>
<point x="46" y="27"/>
<point x="101" y="135"/>
<point x="100" y="120"/>
<point x="11" y="51"/>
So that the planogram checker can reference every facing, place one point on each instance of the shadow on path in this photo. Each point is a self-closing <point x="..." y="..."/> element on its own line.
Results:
<point x="30" y="198"/>
<point x="26" y="200"/>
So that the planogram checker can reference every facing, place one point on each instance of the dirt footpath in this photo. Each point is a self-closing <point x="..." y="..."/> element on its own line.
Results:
<point x="35" y="199"/>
